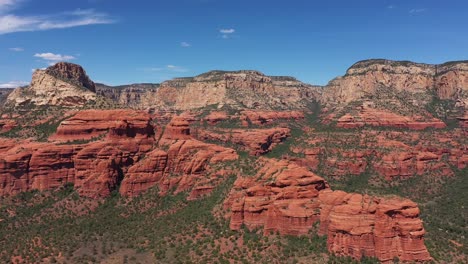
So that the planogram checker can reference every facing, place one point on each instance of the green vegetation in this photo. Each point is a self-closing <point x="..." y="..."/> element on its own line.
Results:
<point x="444" y="110"/>
<point x="45" y="130"/>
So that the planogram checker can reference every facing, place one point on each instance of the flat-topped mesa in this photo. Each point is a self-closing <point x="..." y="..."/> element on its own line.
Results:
<point x="63" y="84"/>
<point x="238" y="89"/>
<point x="448" y="80"/>
<point x="72" y="73"/>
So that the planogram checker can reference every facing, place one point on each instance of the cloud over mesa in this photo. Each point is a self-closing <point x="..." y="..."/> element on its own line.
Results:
<point x="52" y="58"/>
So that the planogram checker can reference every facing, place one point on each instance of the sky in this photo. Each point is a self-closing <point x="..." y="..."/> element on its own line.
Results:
<point x="122" y="42"/>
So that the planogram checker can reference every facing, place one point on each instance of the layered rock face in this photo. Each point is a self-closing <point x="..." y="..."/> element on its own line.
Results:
<point x="380" y="118"/>
<point x="289" y="199"/>
<point x="268" y="117"/>
<point x="360" y="225"/>
<point x="92" y="124"/>
<point x="63" y="84"/>
<point x="254" y="117"/>
<point x="450" y="80"/>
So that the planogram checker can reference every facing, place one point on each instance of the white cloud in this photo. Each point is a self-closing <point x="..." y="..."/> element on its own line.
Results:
<point x="185" y="44"/>
<point x="227" y="31"/>
<point x="6" y="5"/>
<point x="13" y="84"/>
<point x="153" y="69"/>
<point x="391" y="7"/>
<point x="17" y="49"/>
<point x="11" y="23"/>
<point x="52" y="58"/>
<point x="417" y="10"/>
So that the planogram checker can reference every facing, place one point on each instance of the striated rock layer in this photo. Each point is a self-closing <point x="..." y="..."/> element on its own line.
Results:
<point x="380" y="118"/>
<point x="286" y="198"/>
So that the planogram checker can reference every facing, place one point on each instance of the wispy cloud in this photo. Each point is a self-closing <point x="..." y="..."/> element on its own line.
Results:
<point x="227" y="32"/>
<point x="417" y="10"/>
<point x="10" y="23"/>
<point x="391" y="7"/>
<point x="13" y="84"/>
<point x="185" y="44"/>
<point x="167" y="69"/>
<point x="17" y="49"/>
<point x="52" y="58"/>
<point x="153" y="69"/>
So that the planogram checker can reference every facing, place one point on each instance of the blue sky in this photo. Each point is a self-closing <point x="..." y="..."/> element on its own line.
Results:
<point x="120" y="42"/>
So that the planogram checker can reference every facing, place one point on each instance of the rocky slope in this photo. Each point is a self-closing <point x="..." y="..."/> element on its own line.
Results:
<point x="138" y="96"/>
<point x="64" y="84"/>
<point x="4" y="92"/>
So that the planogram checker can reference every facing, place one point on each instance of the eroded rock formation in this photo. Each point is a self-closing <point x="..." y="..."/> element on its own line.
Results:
<point x="286" y="198"/>
<point x="256" y="141"/>
<point x="120" y="156"/>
